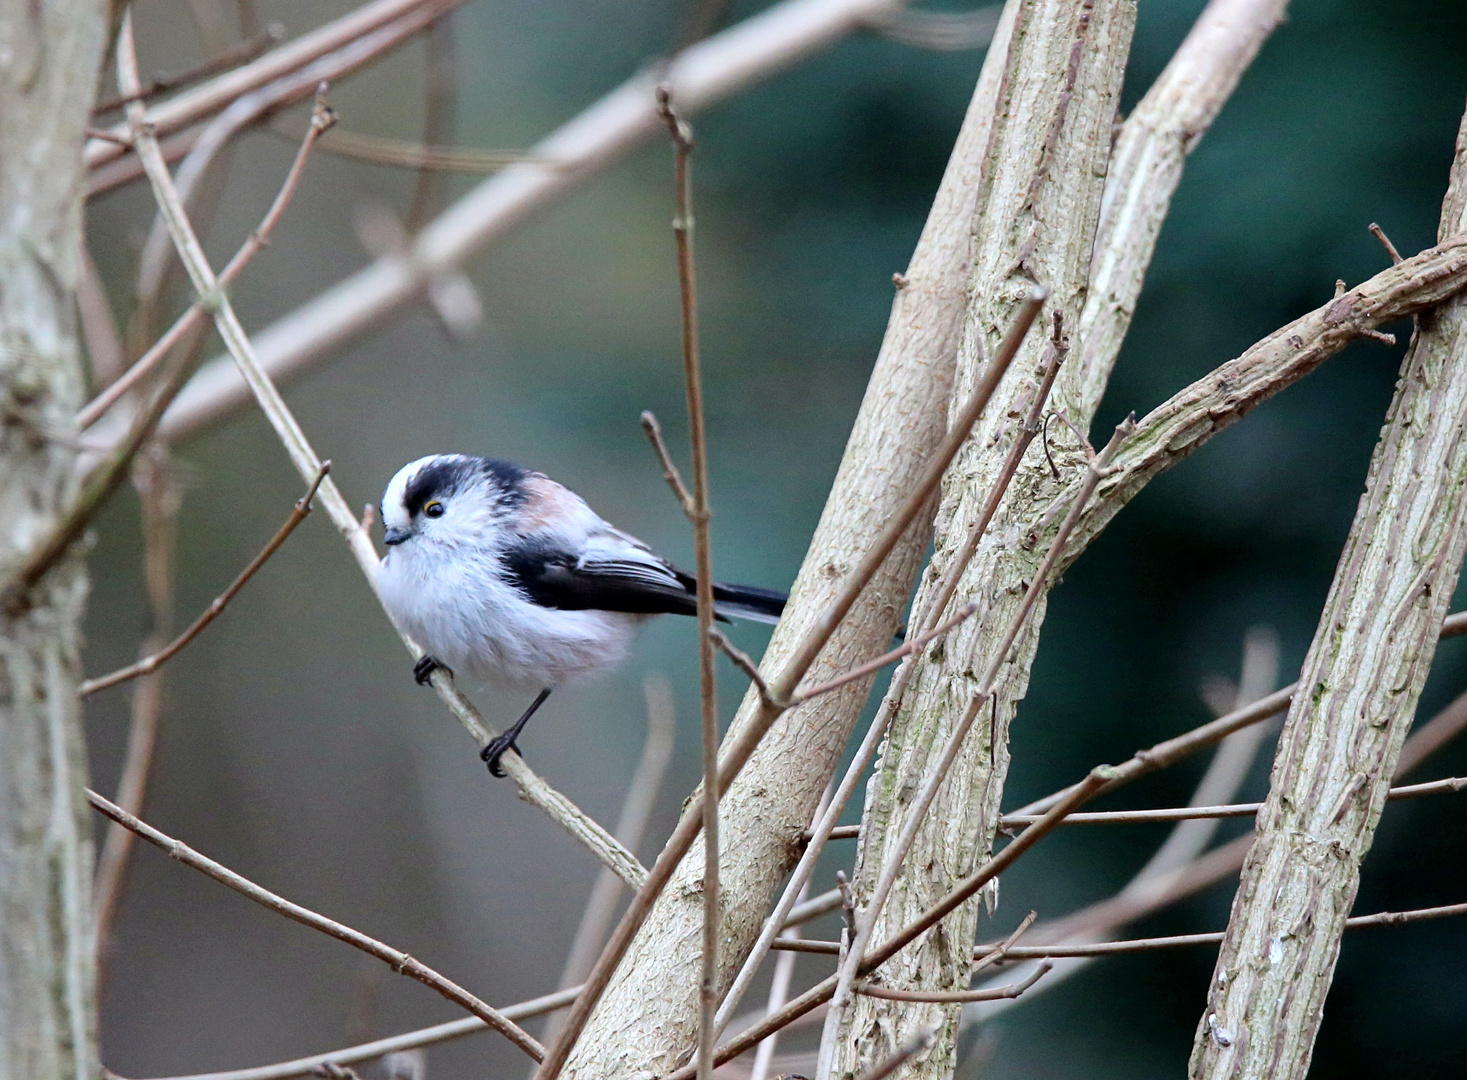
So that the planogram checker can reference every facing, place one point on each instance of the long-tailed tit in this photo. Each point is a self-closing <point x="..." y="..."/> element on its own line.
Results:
<point x="506" y="576"/>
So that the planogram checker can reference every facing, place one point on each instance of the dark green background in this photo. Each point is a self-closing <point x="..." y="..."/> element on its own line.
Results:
<point x="296" y="749"/>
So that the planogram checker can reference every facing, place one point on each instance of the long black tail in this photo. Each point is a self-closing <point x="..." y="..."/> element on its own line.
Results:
<point x="749" y="602"/>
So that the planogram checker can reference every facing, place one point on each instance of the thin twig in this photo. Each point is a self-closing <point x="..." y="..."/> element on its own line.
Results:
<point x="906" y="649"/>
<point x="743" y="743"/>
<point x="824" y="990"/>
<point x="1385" y="242"/>
<point x="241" y="53"/>
<point x="681" y="134"/>
<point x="159" y="499"/>
<point x="399" y="961"/>
<point x="745" y="663"/>
<point x="1170" y="751"/>
<point x="440" y="99"/>
<point x="405" y="154"/>
<point x="1008" y="943"/>
<point x="216" y="607"/>
<point x="322" y="117"/>
<point x="784" y="970"/>
<point x="916" y="813"/>
<point x="783" y="911"/>
<point x="669" y="470"/>
<point x="408" y="1040"/>
<point x="533" y="788"/>
<point x="956" y="997"/>
<point x="284" y="60"/>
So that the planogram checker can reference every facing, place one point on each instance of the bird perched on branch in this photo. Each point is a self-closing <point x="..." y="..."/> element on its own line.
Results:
<point x="506" y="576"/>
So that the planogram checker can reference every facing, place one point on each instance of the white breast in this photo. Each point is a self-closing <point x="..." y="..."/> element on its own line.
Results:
<point x="466" y="616"/>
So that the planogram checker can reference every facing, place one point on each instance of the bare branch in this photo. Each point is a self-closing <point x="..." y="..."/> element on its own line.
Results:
<point x="322" y="118"/>
<point x="1385" y="242"/>
<point x="906" y="649"/>
<point x="825" y="823"/>
<point x="175" y="114"/>
<point x="408" y="1040"/>
<point x="241" y="53"/>
<point x="216" y="607"/>
<point x="399" y="961"/>
<point x="674" y="478"/>
<point x="697" y="510"/>
<point x="1341" y="741"/>
<point x="956" y="997"/>
<point x="823" y="991"/>
<point x="604" y="134"/>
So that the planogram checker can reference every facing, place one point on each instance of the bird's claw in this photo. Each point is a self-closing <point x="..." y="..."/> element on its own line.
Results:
<point x="424" y="668"/>
<point x="496" y="749"/>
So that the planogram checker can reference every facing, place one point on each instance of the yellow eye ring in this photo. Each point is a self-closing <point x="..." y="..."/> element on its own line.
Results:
<point x="434" y="509"/>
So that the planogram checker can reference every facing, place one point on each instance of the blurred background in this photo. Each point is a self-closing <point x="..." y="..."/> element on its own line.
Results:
<point x="295" y="748"/>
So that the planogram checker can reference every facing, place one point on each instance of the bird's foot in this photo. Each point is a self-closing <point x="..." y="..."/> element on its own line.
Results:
<point x="424" y="668"/>
<point x="496" y="749"/>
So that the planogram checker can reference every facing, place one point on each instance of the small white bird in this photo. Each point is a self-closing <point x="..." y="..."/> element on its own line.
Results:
<point x="508" y="577"/>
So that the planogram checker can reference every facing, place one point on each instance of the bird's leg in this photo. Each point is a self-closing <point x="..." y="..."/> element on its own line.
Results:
<point x="424" y="668"/>
<point x="500" y="743"/>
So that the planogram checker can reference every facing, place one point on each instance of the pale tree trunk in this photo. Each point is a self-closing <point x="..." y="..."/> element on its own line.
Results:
<point x="647" y="1022"/>
<point x="1358" y="692"/>
<point x="1038" y="208"/>
<point x="49" y="54"/>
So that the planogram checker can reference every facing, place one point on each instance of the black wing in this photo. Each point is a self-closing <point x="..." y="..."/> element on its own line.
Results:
<point x="553" y="577"/>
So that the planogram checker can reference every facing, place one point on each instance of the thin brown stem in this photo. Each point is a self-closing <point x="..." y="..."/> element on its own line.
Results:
<point x="397" y="18"/>
<point x="670" y="473"/>
<point x="399" y="961"/>
<point x="698" y="512"/>
<point x="216" y="608"/>
<point x="1385" y="242"/>
<point x="956" y="997"/>
<point x="636" y="811"/>
<point x="322" y="117"/>
<point x="745" y="663"/>
<point x="1008" y="943"/>
<point x="902" y="651"/>
<point x="242" y="53"/>
<point x="159" y="498"/>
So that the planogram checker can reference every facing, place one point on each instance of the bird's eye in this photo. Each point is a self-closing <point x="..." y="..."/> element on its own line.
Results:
<point x="434" y="509"/>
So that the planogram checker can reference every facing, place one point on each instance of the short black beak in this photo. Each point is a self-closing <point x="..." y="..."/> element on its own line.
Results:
<point x="394" y="536"/>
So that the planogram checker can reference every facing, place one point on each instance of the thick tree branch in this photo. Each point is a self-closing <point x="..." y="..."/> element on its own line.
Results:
<point x="1340" y="743"/>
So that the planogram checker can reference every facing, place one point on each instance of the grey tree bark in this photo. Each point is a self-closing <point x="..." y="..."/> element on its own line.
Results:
<point x="1358" y="691"/>
<point x="1038" y="209"/>
<point x="647" y="1022"/>
<point x="49" y="54"/>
